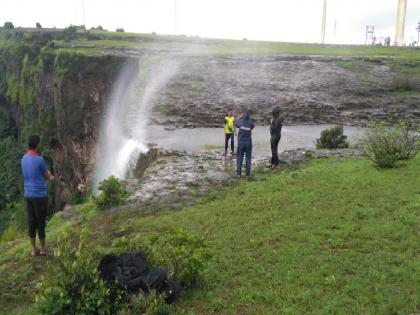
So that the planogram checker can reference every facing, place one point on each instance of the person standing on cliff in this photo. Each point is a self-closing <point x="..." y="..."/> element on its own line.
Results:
<point x="230" y="132"/>
<point x="245" y="126"/>
<point x="276" y="124"/>
<point x="35" y="172"/>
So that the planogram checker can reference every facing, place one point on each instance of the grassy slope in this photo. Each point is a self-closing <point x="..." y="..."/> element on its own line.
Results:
<point x="198" y="45"/>
<point x="202" y="46"/>
<point x="337" y="236"/>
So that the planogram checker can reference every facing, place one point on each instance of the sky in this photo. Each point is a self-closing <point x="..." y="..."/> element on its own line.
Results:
<point x="273" y="20"/>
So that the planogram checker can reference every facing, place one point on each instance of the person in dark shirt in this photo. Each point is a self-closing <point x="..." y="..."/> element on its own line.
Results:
<point x="35" y="172"/>
<point x="245" y="126"/>
<point x="275" y="132"/>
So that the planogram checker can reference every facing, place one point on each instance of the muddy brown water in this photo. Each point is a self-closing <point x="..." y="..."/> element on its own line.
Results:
<point x="197" y="140"/>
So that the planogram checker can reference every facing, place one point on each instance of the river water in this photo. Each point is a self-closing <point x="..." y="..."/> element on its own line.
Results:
<point x="197" y="140"/>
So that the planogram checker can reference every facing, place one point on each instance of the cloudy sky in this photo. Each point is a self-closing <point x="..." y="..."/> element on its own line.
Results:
<point x="278" y="20"/>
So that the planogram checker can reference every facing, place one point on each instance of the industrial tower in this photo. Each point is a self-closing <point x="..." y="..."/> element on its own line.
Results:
<point x="324" y="21"/>
<point x="399" y="32"/>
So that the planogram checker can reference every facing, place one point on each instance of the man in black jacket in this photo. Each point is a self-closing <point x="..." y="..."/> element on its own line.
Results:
<point x="275" y="132"/>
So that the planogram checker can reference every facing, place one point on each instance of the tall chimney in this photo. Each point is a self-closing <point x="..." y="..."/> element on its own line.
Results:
<point x="324" y="20"/>
<point x="399" y="32"/>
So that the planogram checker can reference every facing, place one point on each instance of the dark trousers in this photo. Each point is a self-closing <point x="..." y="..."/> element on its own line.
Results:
<point x="37" y="214"/>
<point x="275" y="139"/>
<point x="244" y="147"/>
<point x="232" y="141"/>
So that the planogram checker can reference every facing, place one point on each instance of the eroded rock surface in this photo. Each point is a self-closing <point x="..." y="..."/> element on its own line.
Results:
<point x="176" y="178"/>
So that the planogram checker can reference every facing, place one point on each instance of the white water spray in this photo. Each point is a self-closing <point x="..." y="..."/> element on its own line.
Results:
<point x="123" y="131"/>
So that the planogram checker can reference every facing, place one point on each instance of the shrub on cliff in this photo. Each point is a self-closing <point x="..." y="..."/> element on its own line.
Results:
<point x="69" y="33"/>
<point x="385" y="145"/>
<point x="332" y="138"/>
<point x="10" y="178"/>
<point x="112" y="193"/>
<point x="8" y="26"/>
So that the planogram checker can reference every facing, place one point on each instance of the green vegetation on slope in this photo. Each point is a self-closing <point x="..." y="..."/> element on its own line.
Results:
<point x="34" y="76"/>
<point x="93" y="41"/>
<point x="337" y="236"/>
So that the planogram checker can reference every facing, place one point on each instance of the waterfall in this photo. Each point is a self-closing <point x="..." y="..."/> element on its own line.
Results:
<point x="123" y="127"/>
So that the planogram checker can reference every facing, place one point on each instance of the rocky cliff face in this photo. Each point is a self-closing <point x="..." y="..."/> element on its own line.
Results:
<point x="78" y="100"/>
<point x="61" y="94"/>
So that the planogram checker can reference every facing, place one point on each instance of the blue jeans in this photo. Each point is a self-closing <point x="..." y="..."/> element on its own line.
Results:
<point x="244" y="147"/>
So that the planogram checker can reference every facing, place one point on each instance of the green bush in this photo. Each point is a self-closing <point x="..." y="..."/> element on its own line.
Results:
<point x="72" y="284"/>
<point x="184" y="256"/>
<point x="8" y="25"/>
<point x="385" y="145"/>
<point x="10" y="179"/>
<point x="17" y="223"/>
<point x="408" y="136"/>
<point x="332" y="138"/>
<point x="112" y="193"/>
<point x="69" y="33"/>
<point x="79" y="197"/>
<point x="153" y="304"/>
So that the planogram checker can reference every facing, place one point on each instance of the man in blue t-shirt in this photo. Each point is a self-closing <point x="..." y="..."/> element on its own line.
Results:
<point x="35" y="172"/>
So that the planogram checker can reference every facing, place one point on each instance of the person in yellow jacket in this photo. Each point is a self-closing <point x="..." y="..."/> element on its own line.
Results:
<point x="230" y="132"/>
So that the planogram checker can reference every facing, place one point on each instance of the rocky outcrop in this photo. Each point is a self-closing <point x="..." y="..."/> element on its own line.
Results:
<point x="78" y="100"/>
<point x="177" y="178"/>
<point x="144" y="161"/>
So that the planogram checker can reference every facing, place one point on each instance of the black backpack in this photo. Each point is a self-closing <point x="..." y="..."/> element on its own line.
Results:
<point x="133" y="274"/>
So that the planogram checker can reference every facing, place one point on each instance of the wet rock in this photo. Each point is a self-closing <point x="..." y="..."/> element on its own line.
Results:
<point x="176" y="178"/>
<point x="145" y="160"/>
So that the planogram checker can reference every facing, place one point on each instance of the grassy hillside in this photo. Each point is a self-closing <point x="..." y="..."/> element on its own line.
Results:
<point x="334" y="237"/>
<point x="94" y="42"/>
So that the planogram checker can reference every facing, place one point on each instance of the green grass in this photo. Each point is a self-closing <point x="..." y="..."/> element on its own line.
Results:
<point x="337" y="236"/>
<point x="202" y="46"/>
<point x="231" y="47"/>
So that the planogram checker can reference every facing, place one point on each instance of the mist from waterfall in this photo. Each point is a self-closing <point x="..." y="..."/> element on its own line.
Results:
<point x="123" y="127"/>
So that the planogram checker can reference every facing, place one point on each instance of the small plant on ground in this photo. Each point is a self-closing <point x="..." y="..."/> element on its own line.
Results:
<point x="385" y="145"/>
<point x="332" y="138"/>
<point x="184" y="255"/>
<point x="112" y="193"/>
<point x="73" y="285"/>
<point x="153" y="304"/>
<point x="17" y="224"/>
